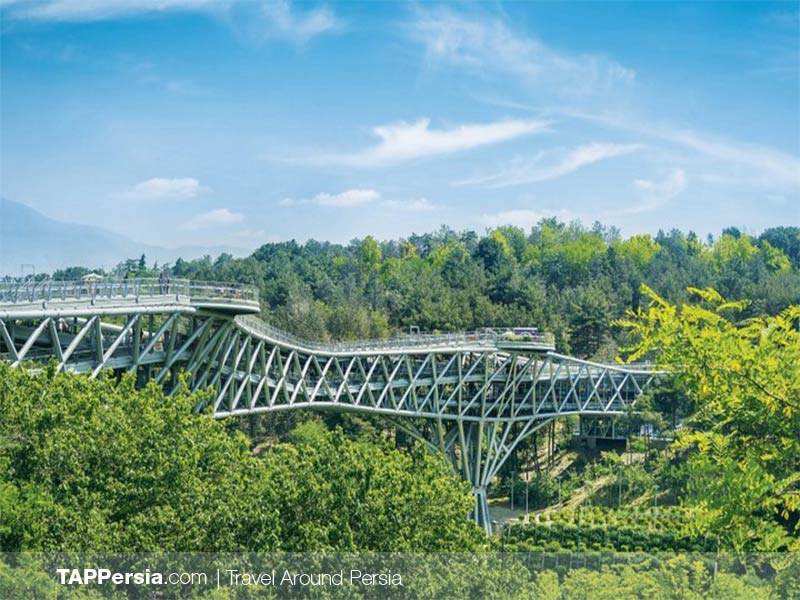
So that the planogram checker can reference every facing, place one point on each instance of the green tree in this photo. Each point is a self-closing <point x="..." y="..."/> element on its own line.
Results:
<point x="590" y="320"/>
<point x="370" y="254"/>
<point x="639" y="249"/>
<point x="342" y="494"/>
<point x="101" y="466"/>
<point x="786" y="239"/>
<point x="743" y="441"/>
<point x="96" y="465"/>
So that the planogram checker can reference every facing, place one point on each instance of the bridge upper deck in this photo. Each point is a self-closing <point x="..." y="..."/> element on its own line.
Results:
<point x="17" y="296"/>
<point x="31" y="299"/>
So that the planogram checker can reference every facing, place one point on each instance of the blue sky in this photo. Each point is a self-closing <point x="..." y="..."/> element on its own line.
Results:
<point x="189" y="121"/>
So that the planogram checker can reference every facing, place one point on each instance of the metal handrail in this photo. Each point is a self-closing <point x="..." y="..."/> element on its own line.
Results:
<point x="29" y="291"/>
<point x="485" y="337"/>
<point x="18" y="291"/>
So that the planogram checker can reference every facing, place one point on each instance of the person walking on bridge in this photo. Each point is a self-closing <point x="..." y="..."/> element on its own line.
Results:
<point x="163" y="280"/>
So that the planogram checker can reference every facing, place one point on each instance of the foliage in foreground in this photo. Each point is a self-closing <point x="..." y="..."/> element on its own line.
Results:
<point x="467" y="576"/>
<point x="96" y="465"/>
<point x="742" y="442"/>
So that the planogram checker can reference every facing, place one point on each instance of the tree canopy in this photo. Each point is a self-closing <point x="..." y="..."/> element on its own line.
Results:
<point x="96" y="465"/>
<point x="559" y="277"/>
<point x="742" y="441"/>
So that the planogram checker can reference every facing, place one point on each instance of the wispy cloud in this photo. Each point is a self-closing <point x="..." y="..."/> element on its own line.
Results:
<point x="403" y="141"/>
<point x="482" y="44"/>
<point x="359" y="198"/>
<point x="655" y="193"/>
<point x="765" y="165"/>
<point x="269" y="19"/>
<point x="412" y="205"/>
<point x="219" y="217"/>
<point x="544" y="165"/>
<point x="345" y="199"/>
<point x="526" y="218"/>
<point x="300" y="27"/>
<point x="760" y="165"/>
<point x="162" y="188"/>
<point x="98" y="10"/>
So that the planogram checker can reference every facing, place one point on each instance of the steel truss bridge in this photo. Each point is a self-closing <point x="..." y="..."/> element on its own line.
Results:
<point x="472" y="397"/>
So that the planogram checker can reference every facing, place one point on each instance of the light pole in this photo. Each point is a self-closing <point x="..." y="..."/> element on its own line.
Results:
<point x="527" y="491"/>
<point x="619" y="499"/>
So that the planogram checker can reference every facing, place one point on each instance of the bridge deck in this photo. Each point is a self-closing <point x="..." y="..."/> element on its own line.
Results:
<point x="63" y="299"/>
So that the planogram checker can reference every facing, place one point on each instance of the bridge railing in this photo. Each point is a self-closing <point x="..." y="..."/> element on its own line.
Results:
<point x="422" y="340"/>
<point x="23" y="291"/>
<point x="486" y="337"/>
<point x="30" y="291"/>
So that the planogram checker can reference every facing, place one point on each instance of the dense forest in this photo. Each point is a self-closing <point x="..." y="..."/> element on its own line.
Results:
<point x="711" y="463"/>
<point x="559" y="277"/>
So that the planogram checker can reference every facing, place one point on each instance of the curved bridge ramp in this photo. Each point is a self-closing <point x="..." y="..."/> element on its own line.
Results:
<point x="473" y="397"/>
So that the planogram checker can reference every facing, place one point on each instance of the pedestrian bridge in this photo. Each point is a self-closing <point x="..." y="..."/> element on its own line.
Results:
<point x="473" y="397"/>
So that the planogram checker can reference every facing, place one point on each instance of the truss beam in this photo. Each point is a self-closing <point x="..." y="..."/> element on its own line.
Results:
<point x="473" y="403"/>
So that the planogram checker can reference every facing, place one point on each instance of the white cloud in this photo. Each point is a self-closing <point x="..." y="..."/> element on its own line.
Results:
<point x="407" y="141"/>
<point x="413" y="205"/>
<point x="359" y="198"/>
<point x="765" y="165"/>
<point x="299" y="27"/>
<point x="273" y="18"/>
<point x="481" y="45"/>
<point x="655" y="193"/>
<point x="97" y="10"/>
<point x="345" y="199"/>
<point x="162" y="188"/>
<point x="542" y="168"/>
<point x="219" y="217"/>
<point x="738" y="161"/>
<point x="526" y="218"/>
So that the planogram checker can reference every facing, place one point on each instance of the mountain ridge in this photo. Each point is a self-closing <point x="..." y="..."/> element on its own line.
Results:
<point x="30" y="238"/>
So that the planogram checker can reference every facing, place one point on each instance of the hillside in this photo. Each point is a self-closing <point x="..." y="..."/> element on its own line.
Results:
<point x="27" y="237"/>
